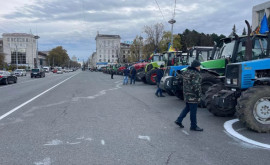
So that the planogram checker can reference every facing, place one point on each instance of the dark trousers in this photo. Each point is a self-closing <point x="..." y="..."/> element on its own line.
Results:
<point x="159" y="90"/>
<point x="112" y="75"/>
<point x="192" y="108"/>
<point x="132" y="79"/>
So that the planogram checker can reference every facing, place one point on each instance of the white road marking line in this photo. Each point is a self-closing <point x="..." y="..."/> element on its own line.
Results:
<point x="103" y="142"/>
<point x="88" y="139"/>
<point x="23" y="104"/>
<point x="54" y="143"/>
<point x="46" y="161"/>
<point x="185" y="132"/>
<point x="74" y="143"/>
<point x="144" y="137"/>
<point x="228" y="127"/>
<point x="80" y="138"/>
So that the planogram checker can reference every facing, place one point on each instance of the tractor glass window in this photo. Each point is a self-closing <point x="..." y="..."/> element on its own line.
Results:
<point x="259" y="48"/>
<point x="241" y="51"/>
<point x="155" y="58"/>
<point x="227" y="50"/>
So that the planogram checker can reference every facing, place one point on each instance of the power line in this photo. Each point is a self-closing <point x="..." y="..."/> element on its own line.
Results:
<point x="160" y="10"/>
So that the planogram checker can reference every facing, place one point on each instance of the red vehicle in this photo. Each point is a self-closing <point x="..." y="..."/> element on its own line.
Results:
<point x="120" y="70"/>
<point x="140" y="71"/>
<point x="54" y="70"/>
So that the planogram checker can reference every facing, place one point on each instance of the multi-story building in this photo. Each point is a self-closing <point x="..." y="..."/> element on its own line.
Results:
<point x="20" y="45"/>
<point x="74" y="58"/>
<point x="107" y="48"/>
<point x="124" y="53"/>
<point x="258" y="13"/>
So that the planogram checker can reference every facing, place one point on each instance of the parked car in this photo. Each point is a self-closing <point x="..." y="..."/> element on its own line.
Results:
<point x="7" y="77"/>
<point x="19" y="72"/>
<point x="59" y="70"/>
<point x="37" y="72"/>
<point x="46" y="69"/>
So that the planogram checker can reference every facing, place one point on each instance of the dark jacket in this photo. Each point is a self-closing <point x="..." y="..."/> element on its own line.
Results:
<point x="192" y="85"/>
<point x="133" y="72"/>
<point x="126" y="72"/>
<point x="160" y="73"/>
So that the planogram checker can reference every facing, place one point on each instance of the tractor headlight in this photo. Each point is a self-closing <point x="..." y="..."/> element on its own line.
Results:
<point x="228" y="81"/>
<point x="234" y="81"/>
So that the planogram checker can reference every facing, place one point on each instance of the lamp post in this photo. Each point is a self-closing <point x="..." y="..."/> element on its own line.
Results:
<point x="172" y="21"/>
<point x="16" y="56"/>
<point x="37" y="37"/>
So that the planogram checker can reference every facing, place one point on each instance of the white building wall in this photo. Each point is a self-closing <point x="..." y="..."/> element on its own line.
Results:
<point x="21" y="42"/>
<point x="258" y="12"/>
<point x="107" y="48"/>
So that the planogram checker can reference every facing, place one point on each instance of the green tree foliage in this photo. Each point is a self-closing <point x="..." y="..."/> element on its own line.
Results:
<point x="58" y="57"/>
<point x="166" y="39"/>
<point x="194" y="38"/>
<point x="2" y="59"/>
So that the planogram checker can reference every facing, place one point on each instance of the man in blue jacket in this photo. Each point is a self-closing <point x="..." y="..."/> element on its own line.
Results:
<point x="160" y="73"/>
<point x="126" y="73"/>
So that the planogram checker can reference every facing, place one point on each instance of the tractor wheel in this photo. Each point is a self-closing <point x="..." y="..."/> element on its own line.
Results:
<point x="150" y="77"/>
<point x="179" y="94"/>
<point x="144" y="80"/>
<point x="253" y="108"/>
<point x="6" y="82"/>
<point x="215" y="110"/>
<point x="207" y="81"/>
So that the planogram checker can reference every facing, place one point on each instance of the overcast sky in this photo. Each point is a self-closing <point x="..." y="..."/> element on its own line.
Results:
<point x="73" y="24"/>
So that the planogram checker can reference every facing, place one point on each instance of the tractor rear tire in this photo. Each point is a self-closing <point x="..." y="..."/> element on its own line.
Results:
<point x="150" y="77"/>
<point x="253" y="108"/>
<point x="215" y="110"/>
<point x="208" y="80"/>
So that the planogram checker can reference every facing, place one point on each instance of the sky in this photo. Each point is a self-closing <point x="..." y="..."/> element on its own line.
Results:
<point x="74" y="24"/>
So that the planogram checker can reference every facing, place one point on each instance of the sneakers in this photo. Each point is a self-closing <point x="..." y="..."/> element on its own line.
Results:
<point x="196" y="129"/>
<point x="179" y="124"/>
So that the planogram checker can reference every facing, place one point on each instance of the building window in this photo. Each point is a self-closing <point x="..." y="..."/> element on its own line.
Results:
<point x="108" y="60"/>
<point x="8" y="39"/>
<point x="26" y="39"/>
<point x="124" y="56"/>
<point x="112" y="56"/>
<point x="100" y="56"/>
<point x="21" y="57"/>
<point x="12" y="40"/>
<point x="99" y="60"/>
<point x="128" y="52"/>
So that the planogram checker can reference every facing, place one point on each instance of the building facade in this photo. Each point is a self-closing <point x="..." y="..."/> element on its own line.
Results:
<point x="124" y="53"/>
<point x="21" y="48"/>
<point x="258" y="13"/>
<point x="107" y="48"/>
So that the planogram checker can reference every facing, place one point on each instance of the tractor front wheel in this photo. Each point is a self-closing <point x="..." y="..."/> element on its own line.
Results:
<point x="150" y="77"/>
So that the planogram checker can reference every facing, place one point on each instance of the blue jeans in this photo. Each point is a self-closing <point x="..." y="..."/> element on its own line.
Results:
<point x="192" y="108"/>
<point x="132" y="78"/>
<point x="125" y="81"/>
<point x="159" y="90"/>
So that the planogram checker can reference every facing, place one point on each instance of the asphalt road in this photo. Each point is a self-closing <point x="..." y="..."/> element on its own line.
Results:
<point x="86" y="118"/>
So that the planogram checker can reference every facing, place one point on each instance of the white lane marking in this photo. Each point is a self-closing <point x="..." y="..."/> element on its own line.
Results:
<point x="88" y="139"/>
<point x="228" y="127"/>
<point x="103" y="142"/>
<point x="103" y="92"/>
<point x="185" y="132"/>
<point x="74" y="143"/>
<point x="144" y="137"/>
<point x="54" y="143"/>
<point x="80" y="138"/>
<point x="23" y="104"/>
<point x="46" y="161"/>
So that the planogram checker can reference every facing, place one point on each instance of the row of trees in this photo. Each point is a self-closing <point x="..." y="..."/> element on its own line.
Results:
<point x="157" y="40"/>
<point x="59" y="57"/>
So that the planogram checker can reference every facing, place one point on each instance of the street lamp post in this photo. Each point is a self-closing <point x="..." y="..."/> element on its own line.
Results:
<point x="172" y="21"/>
<point x="37" y="37"/>
<point x="16" y="56"/>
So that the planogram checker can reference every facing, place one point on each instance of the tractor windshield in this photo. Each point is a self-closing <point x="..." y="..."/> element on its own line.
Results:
<point x="155" y="58"/>
<point x="227" y="50"/>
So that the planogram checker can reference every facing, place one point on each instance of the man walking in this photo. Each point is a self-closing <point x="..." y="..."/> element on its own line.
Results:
<point x="133" y="75"/>
<point x="112" y="71"/>
<point x="160" y="73"/>
<point x="192" y="95"/>
<point x="126" y="73"/>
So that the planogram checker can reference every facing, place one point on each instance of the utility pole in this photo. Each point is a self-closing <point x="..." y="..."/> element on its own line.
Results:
<point x="16" y="56"/>
<point x="37" y="37"/>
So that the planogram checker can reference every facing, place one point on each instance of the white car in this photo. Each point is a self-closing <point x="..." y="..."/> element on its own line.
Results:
<point x="59" y="70"/>
<point x="20" y="72"/>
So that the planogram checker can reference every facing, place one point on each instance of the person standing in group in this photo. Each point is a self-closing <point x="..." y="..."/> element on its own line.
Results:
<point x="133" y="75"/>
<point x="112" y="72"/>
<point x="192" y="95"/>
<point x="160" y="73"/>
<point x="126" y="73"/>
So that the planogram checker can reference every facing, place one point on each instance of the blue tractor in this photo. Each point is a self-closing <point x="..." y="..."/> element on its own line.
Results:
<point x="246" y="87"/>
